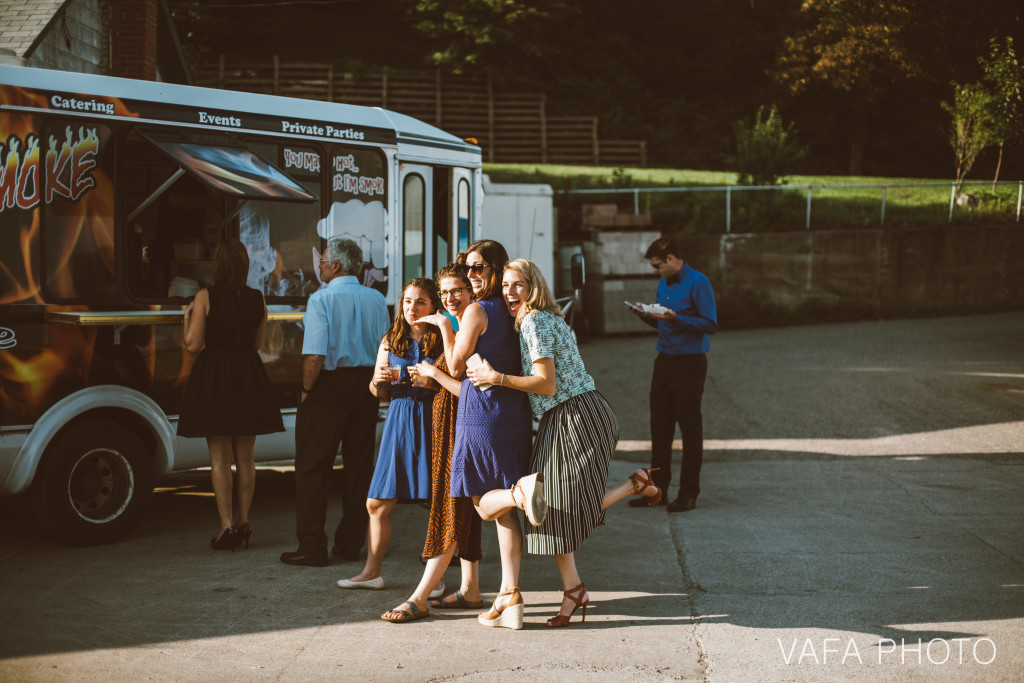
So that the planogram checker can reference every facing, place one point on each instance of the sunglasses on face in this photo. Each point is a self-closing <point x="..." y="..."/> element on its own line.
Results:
<point x="454" y="292"/>
<point x="657" y="264"/>
<point x="476" y="268"/>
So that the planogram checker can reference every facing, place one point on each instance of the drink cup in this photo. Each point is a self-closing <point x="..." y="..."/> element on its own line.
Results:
<point x="395" y="371"/>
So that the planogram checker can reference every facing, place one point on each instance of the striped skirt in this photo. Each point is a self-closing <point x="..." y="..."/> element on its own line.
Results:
<point x="573" y="447"/>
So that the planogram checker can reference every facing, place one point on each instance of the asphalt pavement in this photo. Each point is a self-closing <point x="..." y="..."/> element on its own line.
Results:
<point x="861" y="518"/>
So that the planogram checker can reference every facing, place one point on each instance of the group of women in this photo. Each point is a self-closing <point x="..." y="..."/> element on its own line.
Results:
<point x="461" y="407"/>
<point x="462" y="382"/>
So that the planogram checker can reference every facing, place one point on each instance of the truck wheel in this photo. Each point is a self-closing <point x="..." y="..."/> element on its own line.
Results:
<point x="93" y="484"/>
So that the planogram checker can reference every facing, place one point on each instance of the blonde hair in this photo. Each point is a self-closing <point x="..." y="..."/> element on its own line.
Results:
<point x="540" y="298"/>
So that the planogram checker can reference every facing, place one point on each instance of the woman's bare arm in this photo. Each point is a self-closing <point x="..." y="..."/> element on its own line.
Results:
<point x="543" y="382"/>
<point x="195" y="322"/>
<point x="380" y="385"/>
<point x="262" y="327"/>
<point x="441" y="377"/>
<point x="472" y="325"/>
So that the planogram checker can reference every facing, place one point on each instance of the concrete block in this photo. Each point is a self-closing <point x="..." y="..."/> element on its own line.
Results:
<point x="629" y="219"/>
<point x="615" y="253"/>
<point x="590" y="210"/>
<point x="604" y="304"/>
<point x="599" y="221"/>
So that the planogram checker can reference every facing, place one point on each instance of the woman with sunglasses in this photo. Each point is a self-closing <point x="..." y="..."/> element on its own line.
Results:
<point x="453" y="521"/>
<point x="492" y="430"/>
<point x="577" y="433"/>
<point x="403" y="462"/>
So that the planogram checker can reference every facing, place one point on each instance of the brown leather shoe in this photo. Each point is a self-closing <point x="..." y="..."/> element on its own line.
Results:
<point x="682" y="504"/>
<point x="304" y="560"/>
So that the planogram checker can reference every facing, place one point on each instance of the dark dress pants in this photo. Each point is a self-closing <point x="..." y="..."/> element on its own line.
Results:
<point x="677" y="387"/>
<point x="339" y="410"/>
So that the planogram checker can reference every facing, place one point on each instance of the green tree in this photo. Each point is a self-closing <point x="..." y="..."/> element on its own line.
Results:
<point x="483" y="34"/>
<point x="972" y="128"/>
<point x="854" y="48"/>
<point x="766" y="149"/>
<point x="1004" y="80"/>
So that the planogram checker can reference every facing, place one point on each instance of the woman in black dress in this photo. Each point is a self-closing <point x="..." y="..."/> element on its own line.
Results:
<point x="228" y="398"/>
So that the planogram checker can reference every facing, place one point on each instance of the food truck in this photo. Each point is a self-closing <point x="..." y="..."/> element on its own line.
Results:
<point x="113" y="194"/>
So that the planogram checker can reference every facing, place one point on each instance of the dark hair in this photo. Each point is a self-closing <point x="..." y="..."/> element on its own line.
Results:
<point x="494" y="255"/>
<point x="397" y="337"/>
<point x="455" y="270"/>
<point x="230" y="264"/>
<point x="662" y="248"/>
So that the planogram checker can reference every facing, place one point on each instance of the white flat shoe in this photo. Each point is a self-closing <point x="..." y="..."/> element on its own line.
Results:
<point x="372" y="584"/>
<point x="437" y="592"/>
<point x="531" y="489"/>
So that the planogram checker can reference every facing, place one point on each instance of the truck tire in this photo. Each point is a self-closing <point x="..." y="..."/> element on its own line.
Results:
<point x="93" y="484"/>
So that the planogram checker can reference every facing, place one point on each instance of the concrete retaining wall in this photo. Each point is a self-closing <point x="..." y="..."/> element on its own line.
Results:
<point x="807" y="276"/>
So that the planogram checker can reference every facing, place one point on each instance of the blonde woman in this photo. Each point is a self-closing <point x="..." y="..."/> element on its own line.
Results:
<point x="577" y="433"/>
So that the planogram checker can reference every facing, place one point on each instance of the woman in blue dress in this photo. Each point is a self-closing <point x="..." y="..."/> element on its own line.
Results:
<point x="492" y="430"/>
<point x="403" y="462"/>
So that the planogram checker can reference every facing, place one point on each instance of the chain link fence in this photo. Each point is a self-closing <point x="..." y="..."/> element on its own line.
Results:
<point x="736" y="208"/>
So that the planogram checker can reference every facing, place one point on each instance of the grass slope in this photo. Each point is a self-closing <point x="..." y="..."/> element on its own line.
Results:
<point x="786" y="209"/>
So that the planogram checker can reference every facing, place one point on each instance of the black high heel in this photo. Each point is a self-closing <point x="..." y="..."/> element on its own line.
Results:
<point x="228" y="538"/>
<point x="244" y="532"/>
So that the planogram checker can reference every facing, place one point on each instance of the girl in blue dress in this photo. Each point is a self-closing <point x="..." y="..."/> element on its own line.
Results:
<point x="403" y="462"/>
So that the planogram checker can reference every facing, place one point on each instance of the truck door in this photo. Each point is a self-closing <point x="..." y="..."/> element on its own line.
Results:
<point x="417" y="221"/>
<point x="435" y="217"/>
<point x="461" y="209"/>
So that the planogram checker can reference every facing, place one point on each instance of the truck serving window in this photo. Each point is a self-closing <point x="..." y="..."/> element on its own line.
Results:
<point x="231" y="169"/>
<point x="281" y="237"/>
<point x="357" y="177"/>
<point x="186" y="192"/>
<point x="173" y="224"/>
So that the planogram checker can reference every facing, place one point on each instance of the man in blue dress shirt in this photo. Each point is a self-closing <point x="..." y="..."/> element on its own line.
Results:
<point x="677" y="385"/>
<point x="343" y="325"/>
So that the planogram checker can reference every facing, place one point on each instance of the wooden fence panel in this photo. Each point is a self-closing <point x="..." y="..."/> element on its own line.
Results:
<point x="509" y="127"/>
<point x="631" y="153"/>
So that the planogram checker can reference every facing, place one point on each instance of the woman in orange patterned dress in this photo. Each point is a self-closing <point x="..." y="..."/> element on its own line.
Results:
<point x="454" y="524"/>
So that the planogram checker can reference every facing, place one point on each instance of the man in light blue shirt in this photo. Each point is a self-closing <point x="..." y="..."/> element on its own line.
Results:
<point x="344" y="323"/>
<point x="677" y="384"/>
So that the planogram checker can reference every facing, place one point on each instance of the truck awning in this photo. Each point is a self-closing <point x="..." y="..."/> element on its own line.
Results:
<point x="229" y="167"/>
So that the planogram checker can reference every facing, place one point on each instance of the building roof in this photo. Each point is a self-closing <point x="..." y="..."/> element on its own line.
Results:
<point x="24" y="21"/>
